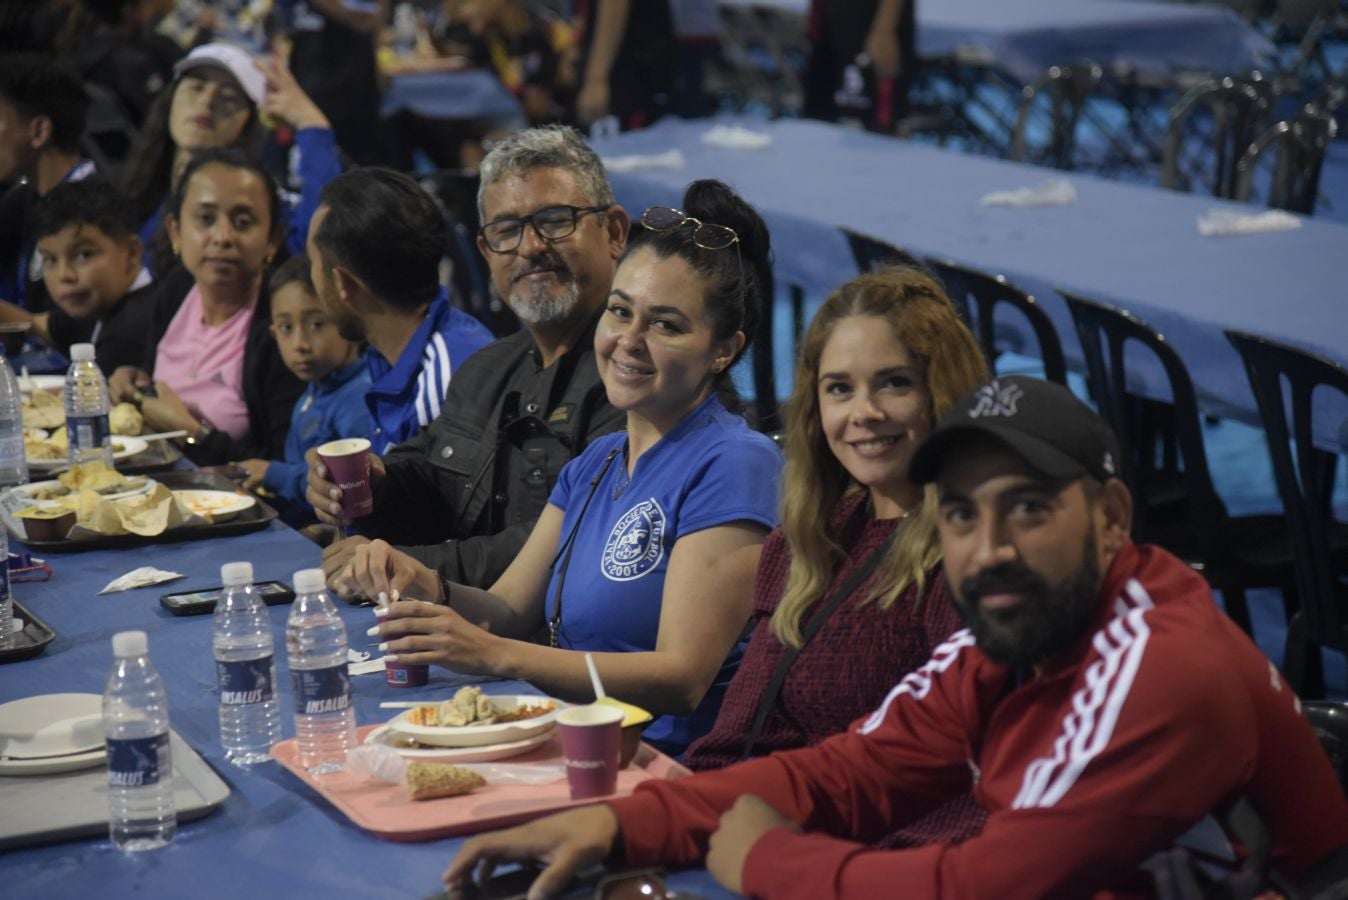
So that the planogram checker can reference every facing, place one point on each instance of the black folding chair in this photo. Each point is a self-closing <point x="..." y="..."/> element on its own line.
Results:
<point x="1305" y="477"/>
<point x="987" y="292"/>
<point x="1210" y="129"/>
<point x="1299" y="145"/>
<point x="1166" y="467"/>
<point x="1061" y="94"/>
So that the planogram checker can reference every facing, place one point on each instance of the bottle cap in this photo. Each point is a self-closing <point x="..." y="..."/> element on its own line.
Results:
<point x="236" y="574"/>
<point x="310" y="581"/>
<point x="130" y="643"/>
<point x="81" y="352"/>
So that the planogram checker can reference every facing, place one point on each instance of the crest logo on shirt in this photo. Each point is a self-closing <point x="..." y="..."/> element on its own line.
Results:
<point x="636" y="544"/>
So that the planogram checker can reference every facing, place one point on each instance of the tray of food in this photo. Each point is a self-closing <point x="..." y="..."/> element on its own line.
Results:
<point x="441" y="797"/>
<point x="28" y="641"/>
<point x="92" y="508"/>
<point x="46" y="447"/>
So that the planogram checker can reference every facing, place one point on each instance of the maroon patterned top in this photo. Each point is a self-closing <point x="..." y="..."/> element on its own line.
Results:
<point x="841" y="675"/>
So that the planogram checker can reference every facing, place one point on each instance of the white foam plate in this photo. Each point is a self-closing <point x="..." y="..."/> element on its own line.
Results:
<point x="122" y="447"/>
<point x="221" y="505"/>
<point x="51" y="733"/>
<point x="482" y="735"/>
<point x="485" y="753"/>
<point x="33" y="487"/>
<point x="42" y="383"/>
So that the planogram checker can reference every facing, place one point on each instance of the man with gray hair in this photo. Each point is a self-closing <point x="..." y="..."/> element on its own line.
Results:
<point x="463" y="494"/>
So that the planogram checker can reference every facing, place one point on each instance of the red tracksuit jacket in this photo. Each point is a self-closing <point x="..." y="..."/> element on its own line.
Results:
<point x="1164" y="713"/>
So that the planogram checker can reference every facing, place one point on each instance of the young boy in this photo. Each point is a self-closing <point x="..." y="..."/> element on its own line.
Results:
<point x="86" y="239"/>
<point x="332" y="407"/>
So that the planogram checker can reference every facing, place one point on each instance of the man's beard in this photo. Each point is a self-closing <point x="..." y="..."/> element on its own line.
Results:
<point x="540" y="303"/>
<point x="1045" y="622"/>
<point x="349" y="325"/>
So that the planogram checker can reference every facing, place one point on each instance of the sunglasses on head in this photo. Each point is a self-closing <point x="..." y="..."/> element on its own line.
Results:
<point x="706" y="235"/>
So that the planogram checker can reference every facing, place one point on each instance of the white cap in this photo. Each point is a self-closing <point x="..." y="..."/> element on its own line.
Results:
<point x="129" y="643"/>
<point x="233" y="60"/>
<point x="81" y="352"/>
<point x="310" y="581"/>
<point x="236" y="573"/>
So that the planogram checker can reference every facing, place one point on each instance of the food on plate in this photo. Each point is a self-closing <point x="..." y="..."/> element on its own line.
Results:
<point x="43" y="409"/>
<point x="208" y="503"/>
<point x="90" y="476"/>
<point x="124" y="418"/>
<point x="427" y="780"/>
<point x="122" y="486"/>
<point x="48" y="491"/>
<point x="470" y="706"/>
<point x="43" y="450"/>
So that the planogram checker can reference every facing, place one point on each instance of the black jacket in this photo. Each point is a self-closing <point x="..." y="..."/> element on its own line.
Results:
<point x="463" y="495"/>
<point x="269" y="388"/>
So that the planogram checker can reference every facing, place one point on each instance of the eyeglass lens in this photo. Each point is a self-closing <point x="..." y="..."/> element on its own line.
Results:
<point x="553" y="223"/>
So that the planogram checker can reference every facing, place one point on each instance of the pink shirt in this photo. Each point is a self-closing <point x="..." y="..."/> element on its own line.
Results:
<point x="204" y="364"/>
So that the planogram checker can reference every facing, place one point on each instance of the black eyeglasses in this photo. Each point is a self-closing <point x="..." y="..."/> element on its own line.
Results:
<point x="705" y="234"/>
<point x="551" y="224"/>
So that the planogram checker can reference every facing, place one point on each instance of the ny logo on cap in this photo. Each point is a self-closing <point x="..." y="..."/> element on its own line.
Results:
<point x="996" y="399"/>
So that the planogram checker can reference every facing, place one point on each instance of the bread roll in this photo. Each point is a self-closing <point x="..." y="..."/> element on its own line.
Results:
<point x="426" y="780"/>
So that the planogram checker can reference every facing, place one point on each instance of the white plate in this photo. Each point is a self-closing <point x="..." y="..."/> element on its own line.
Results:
<point x="485" y="753"/>
<point x="42" y="725"/>
<point x="42" y="383"/>
<point x="32" y="487"/>
<point x="482" y="735"/>
<point x="122" y="447"/>
<point x="221" y="505"/>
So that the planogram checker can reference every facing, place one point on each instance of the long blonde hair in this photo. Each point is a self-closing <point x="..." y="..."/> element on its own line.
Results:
<point x="923" y="320"/>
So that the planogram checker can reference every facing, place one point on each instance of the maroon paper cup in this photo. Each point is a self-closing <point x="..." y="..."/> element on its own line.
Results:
<point x="348" y="463"/>
<point x="591" y="738"/>
<point x="400" y="674"/>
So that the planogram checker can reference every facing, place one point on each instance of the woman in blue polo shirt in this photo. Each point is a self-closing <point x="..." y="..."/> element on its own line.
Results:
<point x="647" y="549"/>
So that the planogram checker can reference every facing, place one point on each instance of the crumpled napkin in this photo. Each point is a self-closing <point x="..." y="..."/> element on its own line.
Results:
<point x="1221" y="222"/>
<point x="142" y="577"/>
<point x="147" y="515"/>
<point x="736" y="137"/>
<point x="645" y="162"/>
<point x="1054" y="192"/>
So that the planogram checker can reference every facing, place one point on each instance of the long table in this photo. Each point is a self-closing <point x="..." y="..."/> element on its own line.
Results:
<point x="273" y="836"/>
<point x="1023" y="39"/>
<point x="1133" y="246"/>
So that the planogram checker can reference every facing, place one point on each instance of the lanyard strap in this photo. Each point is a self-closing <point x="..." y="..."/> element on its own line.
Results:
<point x="769" y="698"/>
<point x="555" y="620"/>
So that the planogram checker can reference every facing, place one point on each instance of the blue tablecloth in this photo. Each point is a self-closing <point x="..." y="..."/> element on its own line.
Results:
<point x="459" y="94"/>
<point x="1136" y="247"/>
<point x="1026" y="37"/>
<point x="273" y="836"/>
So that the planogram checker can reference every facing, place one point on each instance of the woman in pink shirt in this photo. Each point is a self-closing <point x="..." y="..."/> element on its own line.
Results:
<point x="212" y="369"/>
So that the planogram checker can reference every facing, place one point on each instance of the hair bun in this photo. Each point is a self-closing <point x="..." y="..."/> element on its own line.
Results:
<point x="714" y="202"/>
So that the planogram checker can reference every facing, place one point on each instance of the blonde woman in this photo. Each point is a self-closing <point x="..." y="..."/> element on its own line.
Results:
<point x="885" y="357"/>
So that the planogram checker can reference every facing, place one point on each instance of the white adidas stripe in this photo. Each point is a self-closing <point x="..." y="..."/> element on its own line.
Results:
<point x="918" y="682"/>
<point x="1089" y="726"/>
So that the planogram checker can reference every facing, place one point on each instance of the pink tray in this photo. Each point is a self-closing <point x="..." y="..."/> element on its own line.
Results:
<point x="383" y="808"/>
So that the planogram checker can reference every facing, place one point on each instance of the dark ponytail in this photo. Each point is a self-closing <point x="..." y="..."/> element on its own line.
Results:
<point x="739" y="277"/>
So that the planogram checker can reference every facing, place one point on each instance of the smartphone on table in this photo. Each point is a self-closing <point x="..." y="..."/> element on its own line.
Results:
<point x="193" y="603"/>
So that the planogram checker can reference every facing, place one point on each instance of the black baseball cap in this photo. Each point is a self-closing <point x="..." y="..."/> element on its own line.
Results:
<point x="1040" y="421"/>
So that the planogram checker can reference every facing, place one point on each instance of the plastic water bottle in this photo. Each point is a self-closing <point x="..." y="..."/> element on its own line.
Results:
<point x="6" y="602"/>
<point x="250" y="718"/>
<point x="325" y="722"/>
<point x="13" y="468"/>
<point x="86" y="399"/>
<point x="141" y="810"/>
<point x="405" y="29"/>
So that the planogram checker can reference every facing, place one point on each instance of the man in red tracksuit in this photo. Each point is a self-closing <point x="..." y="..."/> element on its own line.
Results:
<point x="1098" y="704"/>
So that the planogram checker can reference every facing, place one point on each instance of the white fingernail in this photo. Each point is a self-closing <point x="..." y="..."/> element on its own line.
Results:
<point x="373" y="632"/>
<point x="383" y="646"/>
<point x="390" y="657"/>
<point x="382" y="599"/>
<point x="396" y="595"/>
<point x="381" y="611"/>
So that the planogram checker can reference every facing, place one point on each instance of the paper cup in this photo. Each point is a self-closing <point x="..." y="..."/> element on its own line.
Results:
<point x="400" y="674"/>
<point x="591" y="737"/>
<point x="348" y="463"/>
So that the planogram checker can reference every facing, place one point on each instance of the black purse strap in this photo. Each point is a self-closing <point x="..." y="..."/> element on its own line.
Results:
<point x="568" y="545"/>
<point x="765" y="704"/>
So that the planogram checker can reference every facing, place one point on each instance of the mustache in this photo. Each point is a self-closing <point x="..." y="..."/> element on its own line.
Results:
<point x="545" y="262"/>
<point x="1011" y="578"/>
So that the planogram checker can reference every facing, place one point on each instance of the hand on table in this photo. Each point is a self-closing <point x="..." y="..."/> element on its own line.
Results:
<point x="257" y="471"/>
<point x="336" y="563"/>
<point x="126" y="382"/>
<point x="569" y="842"/>
<point x="325" y="496"/>
<point x="412" y="631"/>
<point x="741" y="826"/>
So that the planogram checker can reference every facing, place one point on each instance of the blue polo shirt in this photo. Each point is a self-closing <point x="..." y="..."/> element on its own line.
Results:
<point x="329" y="409"/>
<point x="406" y="397"/>
<point x="710" y="470"/>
